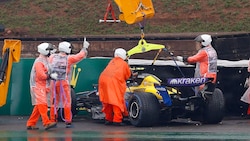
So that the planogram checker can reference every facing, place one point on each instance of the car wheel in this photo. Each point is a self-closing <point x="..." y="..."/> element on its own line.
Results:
<point x="144" y="109"/>
<point x="213" y="112"/>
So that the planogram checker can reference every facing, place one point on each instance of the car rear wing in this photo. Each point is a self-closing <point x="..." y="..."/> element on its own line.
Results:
<point x="187" y="82"/>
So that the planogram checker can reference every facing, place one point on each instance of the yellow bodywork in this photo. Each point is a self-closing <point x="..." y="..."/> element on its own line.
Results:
<point x="134" y="11"/>
<point x="149" y="82"/>
<point x="148" y="86"/>
<point x="14" y="47"/>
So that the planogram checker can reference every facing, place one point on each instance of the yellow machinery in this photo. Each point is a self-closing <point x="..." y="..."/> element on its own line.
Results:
<point x="11" y="53"/>
<point x="143" y="46"/>
<point x="131" y="11"/>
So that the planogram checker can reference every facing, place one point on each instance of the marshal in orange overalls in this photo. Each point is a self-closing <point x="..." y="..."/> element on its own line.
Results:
<point x="112" y="88"/>
<point x="206" y="63"/>
<point x="39" y="88"/>
<point x="62" y="92"/>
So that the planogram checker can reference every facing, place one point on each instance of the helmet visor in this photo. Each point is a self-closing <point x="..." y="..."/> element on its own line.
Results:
<point x="199" y="39"/>
<point x="50" y="47"/>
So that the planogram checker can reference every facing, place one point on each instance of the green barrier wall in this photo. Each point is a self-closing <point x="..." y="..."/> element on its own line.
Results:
<point x="19" y="101"/>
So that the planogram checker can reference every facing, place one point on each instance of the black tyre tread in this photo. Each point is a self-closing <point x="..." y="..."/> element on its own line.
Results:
<point x="214" y="108"/>
<point x="149" y="110"/>
<point x="73" y="102"/>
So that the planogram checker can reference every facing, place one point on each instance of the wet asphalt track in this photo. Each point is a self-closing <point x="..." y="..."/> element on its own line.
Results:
<point x="12" y="128"/>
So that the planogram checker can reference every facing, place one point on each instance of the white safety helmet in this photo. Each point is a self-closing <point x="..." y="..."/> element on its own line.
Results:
<point x="204" y="39"/>
<point x="120" y="52"/>
<point x="65" y="47"/>
<point x="45" y="48"/>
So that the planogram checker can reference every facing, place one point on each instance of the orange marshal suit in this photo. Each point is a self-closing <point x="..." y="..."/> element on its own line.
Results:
<point x="112" y="88"/>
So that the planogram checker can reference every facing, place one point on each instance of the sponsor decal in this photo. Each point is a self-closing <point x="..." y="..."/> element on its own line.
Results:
<point x="186" y="81"/>
<point x="160" y="88"/>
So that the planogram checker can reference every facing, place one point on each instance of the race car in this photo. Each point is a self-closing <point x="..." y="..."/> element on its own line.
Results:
<point x="150" y="100"/>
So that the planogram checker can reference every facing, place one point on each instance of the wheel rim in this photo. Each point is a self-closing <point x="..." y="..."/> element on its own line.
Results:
<point x="134" y="110"/>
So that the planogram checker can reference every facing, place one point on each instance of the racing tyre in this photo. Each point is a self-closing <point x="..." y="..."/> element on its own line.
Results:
<point x="214" y="107"/>
<point x="144" y="109"/>
<point x="73" y="102"/>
